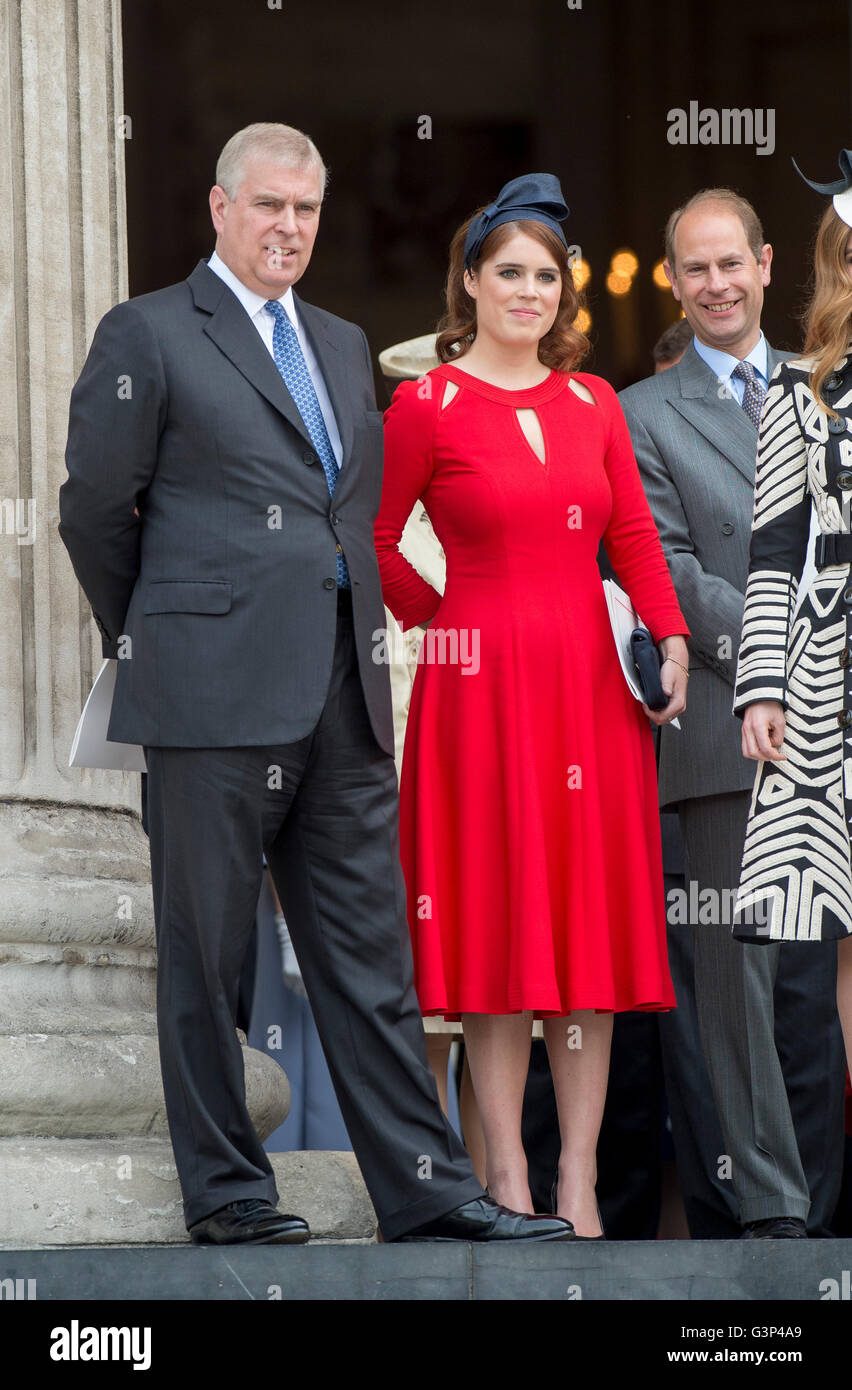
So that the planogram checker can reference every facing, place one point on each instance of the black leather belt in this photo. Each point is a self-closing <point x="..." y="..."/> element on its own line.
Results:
<point x="833" y="549"/>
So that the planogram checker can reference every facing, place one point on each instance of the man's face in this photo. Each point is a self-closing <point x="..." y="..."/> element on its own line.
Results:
<point x="266" y="235"/>
<point x="717" y="280"/>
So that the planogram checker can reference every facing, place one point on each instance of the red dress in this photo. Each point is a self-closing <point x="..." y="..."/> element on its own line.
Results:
<point x="529" y="828"/>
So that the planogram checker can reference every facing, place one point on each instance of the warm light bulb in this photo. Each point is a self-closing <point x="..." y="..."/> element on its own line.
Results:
<point x="581" y="271"/>
<point x="659" y="276"/>
<point x="618" y="283"/>
<point x="624" y="262"/>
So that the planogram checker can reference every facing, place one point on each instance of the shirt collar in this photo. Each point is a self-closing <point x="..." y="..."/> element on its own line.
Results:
<point x="722" y="364"/>
<point x="251" y="302"/>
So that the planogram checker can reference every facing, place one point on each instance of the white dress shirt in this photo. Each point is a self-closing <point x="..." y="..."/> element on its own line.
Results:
<point x="254" y="305"/>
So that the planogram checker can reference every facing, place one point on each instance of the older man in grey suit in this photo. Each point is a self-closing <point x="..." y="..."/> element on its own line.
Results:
<point x="225" y="467"/>
<point x="766" y="1013"/>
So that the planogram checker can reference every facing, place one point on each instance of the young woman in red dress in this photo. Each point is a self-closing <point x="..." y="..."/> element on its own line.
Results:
<point x="529" y="827"/>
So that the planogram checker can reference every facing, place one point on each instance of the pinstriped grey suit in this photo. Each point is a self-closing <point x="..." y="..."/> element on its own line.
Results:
<point x="767" y="1017"/>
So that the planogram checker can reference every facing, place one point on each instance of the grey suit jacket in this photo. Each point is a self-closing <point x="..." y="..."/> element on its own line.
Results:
<point x="221" y="595"/>
<point x="696" y="452"/>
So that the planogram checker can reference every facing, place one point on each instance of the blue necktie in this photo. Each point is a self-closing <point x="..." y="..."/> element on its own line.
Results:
<point x="754" y="391"/>
<point x="294" y="371"/>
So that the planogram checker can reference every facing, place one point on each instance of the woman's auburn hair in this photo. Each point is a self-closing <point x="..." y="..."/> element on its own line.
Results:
<point x="828" y="316"/>
<point x="562" y="347"/>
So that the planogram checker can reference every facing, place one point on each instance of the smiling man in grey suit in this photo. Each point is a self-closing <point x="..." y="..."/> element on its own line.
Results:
<point x="225" y="466"/>
<point x="770" y="1038"/>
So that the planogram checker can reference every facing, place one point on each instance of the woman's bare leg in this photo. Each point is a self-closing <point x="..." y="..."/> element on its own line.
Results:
<point x="578" y="1046"/>
<point x="474" y="1139"/>
<point x="438" y="1057"/>
<point x="498" y="1051"/>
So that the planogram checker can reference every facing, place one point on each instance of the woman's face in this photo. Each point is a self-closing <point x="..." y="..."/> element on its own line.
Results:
<point x="517" y="292"/>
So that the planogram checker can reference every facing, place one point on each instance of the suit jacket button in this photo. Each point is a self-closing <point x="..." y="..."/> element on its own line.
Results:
<point x="727" y="529"/>
<point x="838" y="426"/>
<point x="335" y="519"/>
<point x="845" y="719"/>
<point x="844" y="481"/>
<point x="309" y="457"/>
<point x="329" y="583"/>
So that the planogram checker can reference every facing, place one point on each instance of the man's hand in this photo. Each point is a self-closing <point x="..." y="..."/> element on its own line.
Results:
<point x="763" y="731"/>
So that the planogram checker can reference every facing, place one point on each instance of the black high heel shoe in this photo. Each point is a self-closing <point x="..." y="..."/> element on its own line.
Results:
<point x="553" y="1205"/>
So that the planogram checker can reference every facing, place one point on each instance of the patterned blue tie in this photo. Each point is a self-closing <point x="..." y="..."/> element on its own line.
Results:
<point x="754" y="391"/>
<point x="294" y="370"/>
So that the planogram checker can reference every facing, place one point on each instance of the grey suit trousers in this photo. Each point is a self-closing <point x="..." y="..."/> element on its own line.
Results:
<point x="778" y="1081"/>
<point x="324" y="811"/>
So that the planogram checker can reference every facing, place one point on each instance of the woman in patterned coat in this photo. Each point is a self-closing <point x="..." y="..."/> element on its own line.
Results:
<point x="794" y="674"/>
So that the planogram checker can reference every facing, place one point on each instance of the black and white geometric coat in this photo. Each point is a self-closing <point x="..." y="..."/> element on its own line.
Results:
<point x="796" y="879"/>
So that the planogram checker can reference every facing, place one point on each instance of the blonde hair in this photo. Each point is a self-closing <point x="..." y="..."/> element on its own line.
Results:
<point x="828" y="316"/>
<point x="283" y="143"/>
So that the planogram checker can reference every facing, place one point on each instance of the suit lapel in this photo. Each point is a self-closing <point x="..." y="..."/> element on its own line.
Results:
<point x="235" y="335"/>
<point x="720" y="418"/>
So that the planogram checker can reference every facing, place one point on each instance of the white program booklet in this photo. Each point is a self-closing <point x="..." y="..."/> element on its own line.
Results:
<point x="624" y="618"/>
<point x="91" y="747"/>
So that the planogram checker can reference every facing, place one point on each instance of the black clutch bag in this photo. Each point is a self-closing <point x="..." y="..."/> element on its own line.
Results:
<point x="646" y="664"/>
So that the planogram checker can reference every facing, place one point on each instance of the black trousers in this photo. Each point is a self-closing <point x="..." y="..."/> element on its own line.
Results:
<point x="324" y="810"/>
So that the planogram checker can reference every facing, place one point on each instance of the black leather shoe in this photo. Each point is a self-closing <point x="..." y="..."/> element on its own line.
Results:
<point x="249" y="1222"/>
<point x="485" y="1219"/>
<point x="776" y="1228"/>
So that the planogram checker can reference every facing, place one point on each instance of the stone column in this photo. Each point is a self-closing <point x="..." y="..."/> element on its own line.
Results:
<point x="84" y="1150"/>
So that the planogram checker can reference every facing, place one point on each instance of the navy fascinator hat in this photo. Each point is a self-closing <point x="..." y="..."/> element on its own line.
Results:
<point x="532" y="197"/>
<point x="839" y="189"/>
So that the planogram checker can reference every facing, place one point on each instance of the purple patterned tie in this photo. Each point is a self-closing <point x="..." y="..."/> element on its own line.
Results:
<point x="294" y="370"/>
<point x="754" y="392"/>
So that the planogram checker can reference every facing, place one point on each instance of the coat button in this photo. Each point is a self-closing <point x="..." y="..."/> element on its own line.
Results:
<point x="335" y="519"/>
<point x="832" y="382"/>
<point x="838" y="426"/>
<point x="844" y="481"/>
<point x="329" y="583"/>
<point x="845" y="719"/>
<point x="843" y="659"/>
<point x="309" y="457"/>
<point x="847" y="595"/>
<point x="727" y="529"/>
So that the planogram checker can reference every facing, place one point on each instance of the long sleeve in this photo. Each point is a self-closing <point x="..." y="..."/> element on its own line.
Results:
<point x="779" y="540"/>
<point x="631" y="538"/>
<point x="409" y="429"/>
<point x="117" y="411"/>
<point x="710" y="603"/>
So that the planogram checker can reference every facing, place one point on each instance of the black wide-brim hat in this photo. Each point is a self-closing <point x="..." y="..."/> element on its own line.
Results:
<point x="840" y="190"/>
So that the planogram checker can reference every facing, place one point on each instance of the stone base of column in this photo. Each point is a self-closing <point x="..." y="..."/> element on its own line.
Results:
<point x="80" y="1192"/>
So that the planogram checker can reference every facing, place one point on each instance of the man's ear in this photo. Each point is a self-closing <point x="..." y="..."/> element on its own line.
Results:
<point x="765" y="263"/>
<point x="218" y="201"/>
<point x="672" y="279"/>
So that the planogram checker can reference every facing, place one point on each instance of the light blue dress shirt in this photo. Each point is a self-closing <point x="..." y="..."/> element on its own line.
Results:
<point x="722" y="364"/>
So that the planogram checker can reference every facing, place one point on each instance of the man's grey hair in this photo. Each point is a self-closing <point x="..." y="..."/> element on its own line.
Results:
<point x="282" y="143"/>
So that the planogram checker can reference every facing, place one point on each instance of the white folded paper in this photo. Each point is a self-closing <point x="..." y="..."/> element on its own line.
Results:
<point x="623" y="619"/>
<point x="91" y="747"/>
